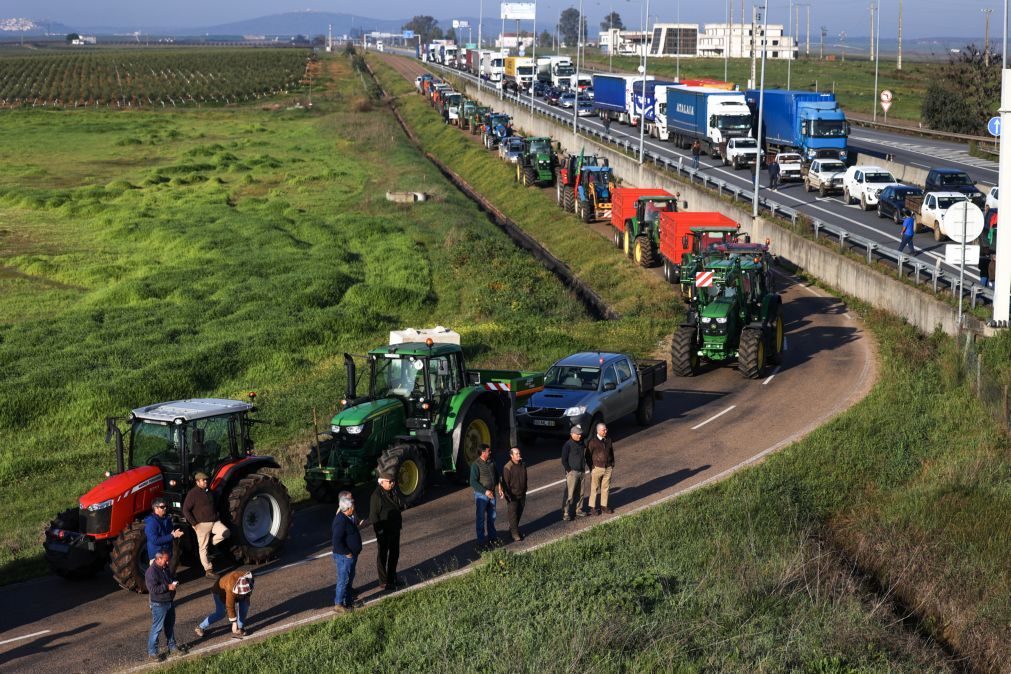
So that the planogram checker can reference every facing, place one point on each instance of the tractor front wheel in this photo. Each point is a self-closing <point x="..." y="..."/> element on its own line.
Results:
<point x="322" y="491"/>
<point x="478" y="429"/>
<point x="408" y="464"/>
<point x="751" y="353"/>
<point x="129" y="560"/>
<point x="684" y="352"/>
<point x="643" y="251"/>
<point x="259" y="515"/>
<point x="529" y="176"/>
<point x="70" y="520"/>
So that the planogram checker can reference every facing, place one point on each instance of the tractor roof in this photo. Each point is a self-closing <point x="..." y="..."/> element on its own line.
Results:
<point x="587" y="358"/>
<point x="416" y="349"/>
<point x="717" y="229"/>
<point x="724" y="264"/>
<point x="188" y="410"/>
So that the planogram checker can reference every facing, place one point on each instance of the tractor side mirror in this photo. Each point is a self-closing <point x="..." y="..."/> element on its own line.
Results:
<point x="684" y="241"/>
<point x="684" y="204"/>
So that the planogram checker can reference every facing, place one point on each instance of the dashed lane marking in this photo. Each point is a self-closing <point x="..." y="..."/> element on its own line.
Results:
<point x="713" y="418"/>
<point x="774" y="373"/>
<point x="26" y="636"/>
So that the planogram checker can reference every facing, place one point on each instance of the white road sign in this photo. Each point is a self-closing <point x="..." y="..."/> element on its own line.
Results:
<point x="963" y="214"/>
<point x="519" y="11"/>
<point x="953" y="254"/>
<point x="886" y="100"/>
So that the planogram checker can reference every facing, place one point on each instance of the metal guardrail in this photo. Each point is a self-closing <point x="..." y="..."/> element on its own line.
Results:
<point x="905" y="266"/>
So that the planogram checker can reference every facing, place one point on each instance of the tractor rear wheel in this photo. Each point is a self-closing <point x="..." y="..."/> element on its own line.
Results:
<point x="478" y="429"/>
<point x="776" y="346"/>
<point x="684" y="353"/>
<point x="643" y="253"/>
<point x="322" y="491"/>
<point x="529" y="176"/>
<point x="644" y="412"/>
<point x="70" y="520"/>
<point x="259" y="515"/>
<point x="751" y="353"/>
<point x="129" y="560"/>
<point x="408" y="464"/>
<point x="569" y="201"/>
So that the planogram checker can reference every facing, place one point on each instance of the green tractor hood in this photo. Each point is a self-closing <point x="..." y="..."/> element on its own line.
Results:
<point x="720" y="308"/>
<point x="364" y="412"/>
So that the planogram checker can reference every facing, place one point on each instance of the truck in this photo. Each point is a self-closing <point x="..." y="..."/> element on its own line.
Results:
<point x="678" y="237"/>
<point x="612" y="95"/>
<point x="518" y="73"/>
<point x="929" y="210"/>
<point x="424" y="413"/>
<point x="166" y="445"/>
<point x="711" y="116"/>
<point x="588" y="388"/>
<point x="807" y="122"/>
<point x="954" y="180"/>
<point x="555" y="70"/>
<point x="444" y="52"/>
<point x="644" y="99"/>
<point x="492" y="65"/>
<point x="635" y="214"/>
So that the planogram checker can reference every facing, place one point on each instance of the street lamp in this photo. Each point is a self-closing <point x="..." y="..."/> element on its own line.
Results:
<point x="761" y="110"/>
<point x="534" y="57"/>
<point x="877" y="57"/>
<point x="642" y="114"/>
<point x="677" y="76"/>
<point x="575" y="103"/>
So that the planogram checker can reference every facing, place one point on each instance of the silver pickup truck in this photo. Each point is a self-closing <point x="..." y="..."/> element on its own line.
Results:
<point x="590" y="387"/>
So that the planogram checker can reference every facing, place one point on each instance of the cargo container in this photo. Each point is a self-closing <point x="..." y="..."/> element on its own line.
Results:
<point x="612" y="95"/>
<point x="711" y="116"/>
<point x="803" y="121"/>
<point x="644" y="99"/>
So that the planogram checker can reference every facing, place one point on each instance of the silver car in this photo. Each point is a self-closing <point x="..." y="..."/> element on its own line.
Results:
<point x="511" y="148"/>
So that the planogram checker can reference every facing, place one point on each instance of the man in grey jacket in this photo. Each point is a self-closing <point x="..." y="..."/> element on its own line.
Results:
<point x="574" y="464"/>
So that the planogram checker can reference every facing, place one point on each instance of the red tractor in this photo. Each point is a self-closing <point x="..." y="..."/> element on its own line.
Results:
<point x="168" y="443"/>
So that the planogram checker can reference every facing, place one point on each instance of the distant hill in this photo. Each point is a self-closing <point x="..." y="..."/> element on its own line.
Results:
<point x="306" y="23"/>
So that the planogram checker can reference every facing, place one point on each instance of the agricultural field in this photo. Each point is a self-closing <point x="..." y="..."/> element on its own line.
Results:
<point x="128" y="78"/>
<point x="157" y="255"/>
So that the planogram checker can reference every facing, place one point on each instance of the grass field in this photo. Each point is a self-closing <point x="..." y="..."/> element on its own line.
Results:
<point x="156" y="256"/>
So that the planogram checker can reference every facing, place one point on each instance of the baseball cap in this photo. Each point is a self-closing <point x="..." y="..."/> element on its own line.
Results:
<point x="201" y="476"/>
<point x="576" y="430"/>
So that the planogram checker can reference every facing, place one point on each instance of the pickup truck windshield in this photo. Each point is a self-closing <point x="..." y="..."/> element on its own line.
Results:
<point x="745" y="142"/>
<point x="733" y="122"/>
<point x="947" y="202"/>
<point x="884" y="177"/>
<point x="828" y="129"/>
<point x="572" y="377"/>
<point x="955" y="179"/>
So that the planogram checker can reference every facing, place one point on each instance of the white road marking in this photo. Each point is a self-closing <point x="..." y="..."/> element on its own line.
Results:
<point x="713" y="418"/>
<point x="547" y="486"/>
<point x="769" y="378"/>
<point x="22" y="638"/>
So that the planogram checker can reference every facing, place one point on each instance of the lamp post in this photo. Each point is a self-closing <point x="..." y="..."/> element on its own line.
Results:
<point x="575" y="103"/>
<point x="877" y="57"/>
<point x="789" y="61"/>
<point x="677" y="76"/>
<point x="534" y="56"/>
<point x="1002" y="282"/>
<point x="642" y="114"/>
<point x="761" y="111"/>
<point x="480" y="58"/>
<point x="726" y="44"/>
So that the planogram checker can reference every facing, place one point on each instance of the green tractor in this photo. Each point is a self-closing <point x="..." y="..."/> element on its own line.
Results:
<point x="478" y="118"/>
<point x="467" y="113"/>
<point x="425" y="413"/>
<point x="733" y="314"/>
<point x="642" y="230"/>
<point x="536" y="166"/>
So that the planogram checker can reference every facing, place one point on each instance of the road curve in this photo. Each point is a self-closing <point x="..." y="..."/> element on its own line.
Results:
<point x="705" y="427"/>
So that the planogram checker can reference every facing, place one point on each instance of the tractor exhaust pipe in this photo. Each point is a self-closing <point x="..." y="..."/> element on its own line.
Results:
<point x="112" y="431"/>
<point x="349" y="368"/>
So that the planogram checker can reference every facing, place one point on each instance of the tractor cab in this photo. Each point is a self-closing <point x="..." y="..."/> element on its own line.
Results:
<point x="648" y="209"/>
<point x="423" y="377"/>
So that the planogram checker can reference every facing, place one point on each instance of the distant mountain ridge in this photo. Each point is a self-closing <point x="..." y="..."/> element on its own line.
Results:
<point x="306" y="23"/>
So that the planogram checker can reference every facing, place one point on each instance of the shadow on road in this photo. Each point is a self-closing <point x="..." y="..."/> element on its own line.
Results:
<point x="44" y="644"/>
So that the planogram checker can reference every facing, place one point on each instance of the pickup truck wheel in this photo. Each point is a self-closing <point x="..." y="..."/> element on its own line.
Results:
<point x="684" y="352"/>
<point x="644" y="413"/>
<point x="863" y="203"/>
<point x="737" y="164"/>
<point x="846" y="196"/>
<point x="881" y="213"/>
<point x="938" y="236"/>
<point x="897" y="217"/>
<point x="822" y="192"/>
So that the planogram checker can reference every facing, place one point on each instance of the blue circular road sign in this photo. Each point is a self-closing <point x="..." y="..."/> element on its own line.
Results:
<point x="993" y="126"/>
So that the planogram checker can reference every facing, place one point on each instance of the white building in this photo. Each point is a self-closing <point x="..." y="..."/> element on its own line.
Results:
<point x="685" y="39"/>
<point x="511" y="42"/>
<point x="626" y="42"/>
<point x="713" y="41"/>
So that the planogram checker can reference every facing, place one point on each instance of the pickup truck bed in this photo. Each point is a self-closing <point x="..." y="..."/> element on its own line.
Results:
<point x="652" y="373"/>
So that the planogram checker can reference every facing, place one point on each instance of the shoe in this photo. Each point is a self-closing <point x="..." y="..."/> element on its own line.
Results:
<point x="157" y="657"/>
<point x="581" y="513"/>
<point x="239" y="634"/>
<point x="199" y="632"/>
<point x="179" y="651"/>
<point x="517" y="538"/>
<point x="390" y="587"/>
<point x="596" y="511"/>
<point x="339" y="610"/>
<point x="609" y="510"/>
<point x="566" y="518"/>
<point x="210" y="574"/>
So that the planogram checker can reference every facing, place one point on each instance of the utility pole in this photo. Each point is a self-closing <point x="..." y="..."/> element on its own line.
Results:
<point x="741" y="52"/>
<point x="821" y="46"/>
<point x="807" y="47"/>
<point x="898" y="62"/>
<point x="842" y="45"/>
<point x="754" y="52"/>
<point x="1002" y="282"/>
<point x="761" y="112"/>
<point x="872" y="8"/>
<point x="986" y="39"/>
<point x="726" y="48"/>
<point x="877" y="59"/>
<point x="677" y="77"/>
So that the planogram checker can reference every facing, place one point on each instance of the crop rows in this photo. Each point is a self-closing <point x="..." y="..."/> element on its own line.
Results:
<point x="164" y="77"/>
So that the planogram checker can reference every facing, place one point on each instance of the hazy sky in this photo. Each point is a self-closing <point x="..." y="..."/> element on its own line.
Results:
<point x="921" y="17"/>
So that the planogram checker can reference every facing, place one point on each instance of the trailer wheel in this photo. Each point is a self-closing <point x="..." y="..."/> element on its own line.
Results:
<point x="616" y="236"/>
<point x="684" y="352"/>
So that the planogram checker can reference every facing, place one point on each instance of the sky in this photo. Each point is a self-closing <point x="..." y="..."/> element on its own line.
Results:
<point x="921" y="18"/>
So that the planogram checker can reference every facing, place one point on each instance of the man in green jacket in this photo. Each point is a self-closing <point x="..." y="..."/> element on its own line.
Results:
<point x="484" y="479"/>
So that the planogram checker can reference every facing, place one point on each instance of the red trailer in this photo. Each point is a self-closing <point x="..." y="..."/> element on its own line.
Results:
<point x="676" y="237"/>
<point x="623" y="206"/>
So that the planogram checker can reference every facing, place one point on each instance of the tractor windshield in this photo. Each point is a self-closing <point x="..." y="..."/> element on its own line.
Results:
<point x="572" y="377"/>
<point x="400" y="377"/>
<point x="155" y="444"/>
<point x="540" y="146"/>
<point x="653" y="209"/>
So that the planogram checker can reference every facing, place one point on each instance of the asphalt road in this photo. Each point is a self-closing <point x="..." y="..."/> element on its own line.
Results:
<point x="705" y="427"/>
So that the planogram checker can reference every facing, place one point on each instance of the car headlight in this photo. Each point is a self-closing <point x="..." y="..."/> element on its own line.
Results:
<point x="721" y="320"/>
<point x="575" y="411"/>
<point x="354" y="430"/>
<point x="706" y="319"/>
<point x="99" y="506"/>
<point x="521" y="410"/>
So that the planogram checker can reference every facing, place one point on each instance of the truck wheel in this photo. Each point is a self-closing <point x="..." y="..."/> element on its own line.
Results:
<point x="938" y="236"/>
<point x="751" y="353"/>
<point x="259" y="515"/>
<point x="129" y="560"/>
<point x="684" y="352"/>
<point x="408" y="464"/>
<point x="776" y="349"/>
<point x="478" y="429"/>
<point x="569" y="201"/>
<point x="644" y="252"/>
<point x="529" y="176"/>
<point x="70" y="520"/>
<point x="322" y="491"/>
<point x="644" y="413"/>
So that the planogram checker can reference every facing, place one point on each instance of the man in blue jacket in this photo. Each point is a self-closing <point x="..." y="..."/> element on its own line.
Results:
<point x="347" y="545"/>
<point x="159" y="530"/>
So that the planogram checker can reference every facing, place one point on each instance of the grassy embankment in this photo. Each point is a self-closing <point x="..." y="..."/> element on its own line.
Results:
<point x="758" y="573"/>
<point x="154" y="256"/>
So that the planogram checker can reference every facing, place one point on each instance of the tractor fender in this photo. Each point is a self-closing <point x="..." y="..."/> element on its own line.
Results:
<point x="498" y="403"/>
<point x="427" y="442"/>
<point x="236" y="470"/>
<point x="770" y="308"/>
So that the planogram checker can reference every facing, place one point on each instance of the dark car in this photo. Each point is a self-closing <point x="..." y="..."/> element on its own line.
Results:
<point x="551" y="98"/>
<point x="541" y="88"/>
<point x="892" y="201"/>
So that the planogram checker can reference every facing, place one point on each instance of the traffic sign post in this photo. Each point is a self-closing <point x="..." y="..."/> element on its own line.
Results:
<point x="886" y="102"/>
<point x="993" y="126"/>
<point x="963" y="222"/>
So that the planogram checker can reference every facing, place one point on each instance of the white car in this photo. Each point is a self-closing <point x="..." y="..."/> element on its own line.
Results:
<point x="741" y="152"/>
<point x="863" y="184"/>
<point x="826" y="176"/>
<point x="991" y="198"/>
<point x="790" y="164"/>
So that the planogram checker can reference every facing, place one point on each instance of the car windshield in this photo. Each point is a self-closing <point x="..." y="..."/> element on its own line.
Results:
<point x="567" y="97"/>
<point x="821" y="128"/>
<point x="572" y="377"/>
<point x="745" y="142"/>
<point x="883" y="177"/>
<point x="515" y="145"/>
<point x="947" y="202"/>
<point x="154" y="443"/>
<point x="735" y="122"/>
<point x="400" y="377"/>
<point x="788" y="159"/>
<point x="832" y="166"/>
<point x="540" y="146"/>
<point x="956" y="179"/>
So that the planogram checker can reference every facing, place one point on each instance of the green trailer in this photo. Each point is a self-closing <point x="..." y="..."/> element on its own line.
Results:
<point x="424" y="414"/>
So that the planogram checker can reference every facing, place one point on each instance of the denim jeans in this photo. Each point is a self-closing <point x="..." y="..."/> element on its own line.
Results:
<point x="485" y="518"/>
<point x="163" y="617"/>
<point x="345" y="579"/>
<point x="907" y="240"/>
<point x="241" y="610"/>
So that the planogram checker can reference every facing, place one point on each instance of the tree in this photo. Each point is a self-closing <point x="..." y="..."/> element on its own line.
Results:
<point x="72" y="36"/>
<point x="318" y="40"/>
<point x="544" y="40"/>
<point x="612" y="20"/>
<point x="966" y="93"/>
<point x="451" y="34"/>
<point x="568" y="26"/>
<point x="425" y="26"/>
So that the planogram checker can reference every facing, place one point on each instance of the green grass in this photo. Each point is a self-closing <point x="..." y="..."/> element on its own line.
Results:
<point x="808" y="562"/>
<point x="155" y="256"/>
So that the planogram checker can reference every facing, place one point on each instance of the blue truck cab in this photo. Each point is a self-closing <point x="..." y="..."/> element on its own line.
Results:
<point x="644" y="99"/>
<point x="807" y="122"/>
<point x="590" y="387"/>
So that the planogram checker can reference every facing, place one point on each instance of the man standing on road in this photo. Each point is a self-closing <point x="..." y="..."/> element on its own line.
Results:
<point x="347" y="545"/>
<point x="158" y="528"/>
<point x="601" y="452"/>
<point x="161" y="586"/>
<point x="607" y="126"/>
<point x="574" y="463"/>
<point x="384" y="512"/>
<point x="231" y="595"/>
<point x="908" y="230"/>
<point x="774" y="175"/>
<point x="696" y="151"/>
<point x="484" y="479"/>
<point x="201" y="513"/>
<point x="514" y="489"/>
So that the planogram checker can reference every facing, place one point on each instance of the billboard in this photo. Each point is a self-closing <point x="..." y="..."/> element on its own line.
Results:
<point x="519" y="11"/>
<point x="461" y="24"/>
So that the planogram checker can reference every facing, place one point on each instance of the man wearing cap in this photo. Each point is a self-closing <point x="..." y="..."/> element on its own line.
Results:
<point x="574" y="463"/>
<point x="161" y="534"/>
<point x="202" y="514"/>
<point x="347" y="545"/>
<point x="384" y="512"/>
<point x="231" y="593"/>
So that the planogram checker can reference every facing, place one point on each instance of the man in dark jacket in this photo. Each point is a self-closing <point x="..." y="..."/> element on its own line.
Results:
<point x="161" y="586"/>
<point x="202" y="514"/>
<point x="158" y="529"/>
<point x="574" y="463"/>
<point x="347" y="545"/>
<point x="601" y="451"/>
<point x="384" y="513"/>
<point x="484" y="480"/>
<point x="514" y="490"/>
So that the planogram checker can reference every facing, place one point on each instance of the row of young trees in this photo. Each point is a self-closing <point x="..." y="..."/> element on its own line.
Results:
<point x="133" y="77"/>
<point x="568" y="27"/>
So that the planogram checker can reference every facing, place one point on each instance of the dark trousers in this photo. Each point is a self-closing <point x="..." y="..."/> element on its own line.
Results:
<point x="389" y="554"/>
<point x="515" y="513"/>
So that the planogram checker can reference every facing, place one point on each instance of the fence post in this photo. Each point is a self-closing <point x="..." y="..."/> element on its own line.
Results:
<point x="870" y="249"/>
<point x="979" y="373"/>
<point x="1004" y="407"/>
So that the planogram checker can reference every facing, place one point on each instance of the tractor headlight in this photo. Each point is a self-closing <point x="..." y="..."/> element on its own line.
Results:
<point x="575" y="411"/>
<point x="706" y="319"/>
<point x="721" y="320"/>
<point x="99" y="506"/>
<point x="355" y="430"/>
